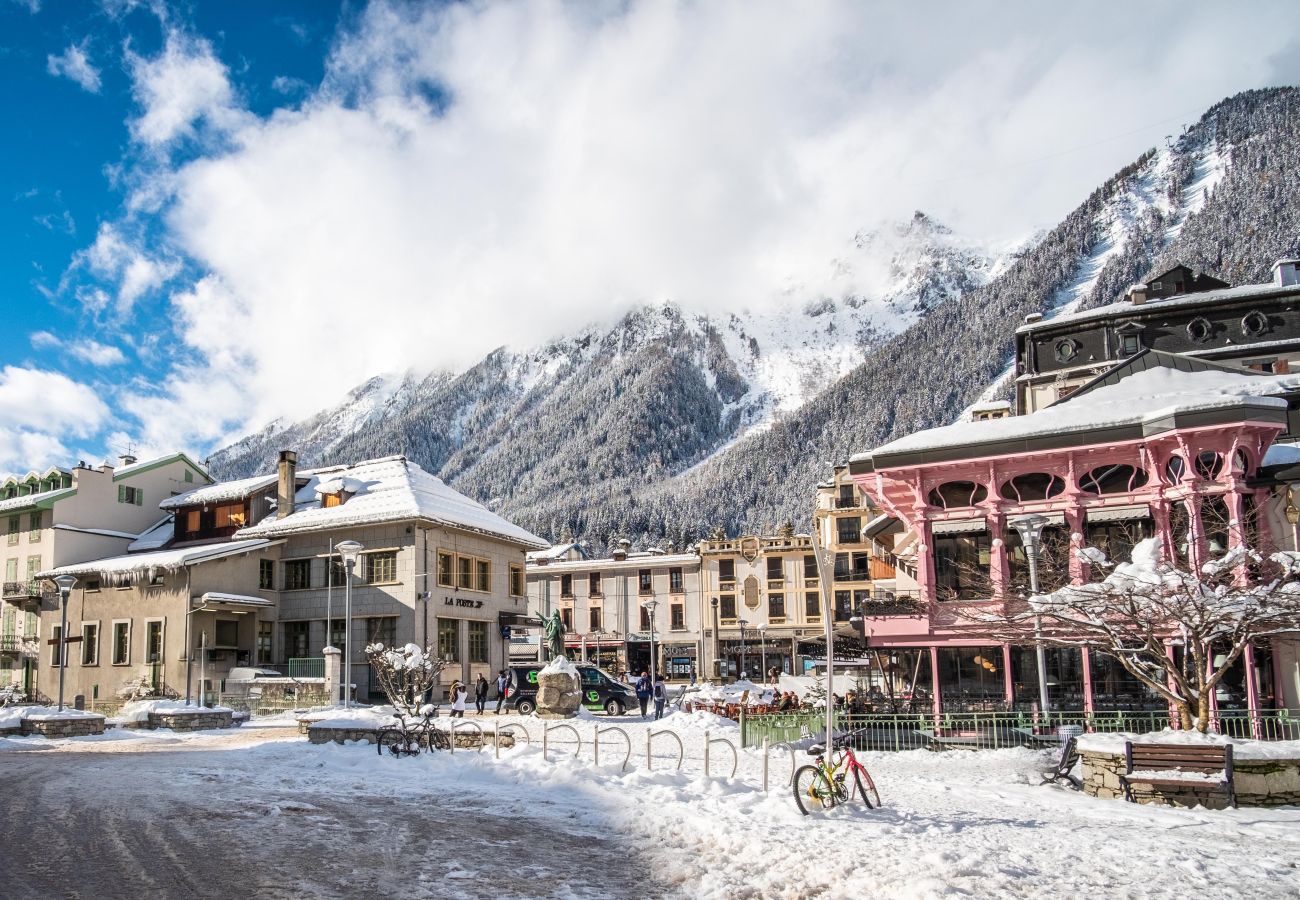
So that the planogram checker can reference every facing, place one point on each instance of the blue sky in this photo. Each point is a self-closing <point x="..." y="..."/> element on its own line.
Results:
<point x="214" y="214"/>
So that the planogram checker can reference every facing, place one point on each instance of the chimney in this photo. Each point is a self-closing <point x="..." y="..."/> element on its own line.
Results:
<point x="620" y="552"/>
<point x="286" y="486"/>
<point x="127" y="459"/>
<point x="1137" y="294"/>
<point x="1286" y="273"/>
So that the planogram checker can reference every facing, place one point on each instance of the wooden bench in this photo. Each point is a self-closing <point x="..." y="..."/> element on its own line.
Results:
<point x="1064" y="770"/>
<point x="1178" y="765"/>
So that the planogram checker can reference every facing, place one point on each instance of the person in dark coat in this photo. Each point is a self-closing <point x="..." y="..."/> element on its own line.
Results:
<point x="502" y="681"/>
<point x="480" y="693"/>
<point x="661" y="696"/>
<point x="644" y="688"/>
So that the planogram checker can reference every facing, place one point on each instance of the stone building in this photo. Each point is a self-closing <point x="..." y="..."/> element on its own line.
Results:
<point x="253" y="565"/>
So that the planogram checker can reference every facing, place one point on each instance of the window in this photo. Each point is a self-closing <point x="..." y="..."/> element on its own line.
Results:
<point x="643" y="581"/>
<point x="842" y="567"/>
<point x="678" y="617"/>
<point x="849" y="529"/>
<point x="193" y="522"/>
<point x="593" y="585"/>
<point x="675" y="585"/>
<point x="56" y="635"/>
<point x="266" y="575"/>
<point x="774" y="573"/>
<point x="464" y="572"/>
<point x="1066" y="349"/>
<point x="594" y="618"/>
<point x="449" y="639"/>
<point x="189" y="476"/>
<point x="1129" y="344"/>
<point x="227" y="633"/>
<point x="229" y="515"/>
<point x="1200" y="330"/>
<point x="297" y="574"/>
<point x="812" y="606"/>
<point x="131" y="495"/>
<point x="328" y="500"/>
<point x="337" y="571"/>
<point x="338" y="632"/>
<point x="810" y="573"/>
<point x="482" y="575"/>
<point x="11" y="570"/>
<point x="566" y="616"/>
<point x="445" y="565"/>
<point x="843" y="606"/>
<point x="33" y="566"/>
<point x="727" y="607"/>
<point x="776" y="607"/>
<point x="961" y="565"/>
<point x="381" y="630"/>
<point x="860" y="566"/>
<point x="153" y="641"/>
<point x="645" y="619"/>
<point x="297" y="639"/>
<point x="516" y="581"/>
<point x="15" y="525"/>
<point x="121" y="643"/>
<point x="845" y="500"/>
<point x="478" y="642"/>
<point x="726" y="570"/>
<point x="34" y="527"/>
<point x="566" y="585"/>
<point x="264" y="632"/>
<point x="381" y="568"/>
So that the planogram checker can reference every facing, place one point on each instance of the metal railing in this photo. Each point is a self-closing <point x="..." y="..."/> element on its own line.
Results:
<point x="17" y="643"/>
<point x="307" y="667"/>
<point x="31" y="589"/>
<point x="996" y="730"/>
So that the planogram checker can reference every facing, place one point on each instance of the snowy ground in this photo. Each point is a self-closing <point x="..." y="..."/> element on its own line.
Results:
<point x="258" y="812"/>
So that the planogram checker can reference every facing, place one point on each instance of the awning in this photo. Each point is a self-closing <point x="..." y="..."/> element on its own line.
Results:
<point x="959" y="526"/>
<point x="879" y="525"/>
<point x="1119" y="513"/>
<point x="233" y="599"/>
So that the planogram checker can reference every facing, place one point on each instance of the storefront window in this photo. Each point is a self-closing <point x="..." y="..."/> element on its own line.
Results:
<point x="971" y="678"/>
<point x="1064" y="669"/>
<point x="961" y="565"/>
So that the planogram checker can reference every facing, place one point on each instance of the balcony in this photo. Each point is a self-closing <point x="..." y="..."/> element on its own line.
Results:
<point x="26" y="647"/>
<point x="20" y="591"/>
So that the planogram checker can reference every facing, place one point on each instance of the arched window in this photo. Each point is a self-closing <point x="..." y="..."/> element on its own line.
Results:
<point x="1240" y="462"/>
<point x="1032" y="486"/>
<point x="1175" y="469"/>
<point x="1200" y="329"/>
<point x="956" y="494"/>
<point x="1209" y="464"/>
<point x="1116" y="479"/>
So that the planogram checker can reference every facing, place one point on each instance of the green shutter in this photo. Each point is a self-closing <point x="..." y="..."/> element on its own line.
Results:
<point x="121" y="493"/>
<point x="139" y="497"/>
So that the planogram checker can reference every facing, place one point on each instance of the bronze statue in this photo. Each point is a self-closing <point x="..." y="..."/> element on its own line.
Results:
<point x="554" y="626"/>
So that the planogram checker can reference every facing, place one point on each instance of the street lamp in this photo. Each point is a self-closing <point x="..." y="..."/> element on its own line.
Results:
<point x="742" y="623"/>
<point x="762" y="643"/>
<point x="349" y="550"/>
<point x="717" y="639"/>
<point x="1030" y="528"/>
<point x="650" y="606"/>
<point x="65" y="583"/>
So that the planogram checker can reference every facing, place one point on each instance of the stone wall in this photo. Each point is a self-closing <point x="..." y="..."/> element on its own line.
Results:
<point x="1258" y="782"/>
<point x="466" y="739"/>
<point x="191" y="720"/>
<point x="61" y="728"/>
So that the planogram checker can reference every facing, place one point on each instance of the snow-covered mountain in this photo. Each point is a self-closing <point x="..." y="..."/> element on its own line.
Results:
<point x="754" y="366"/>
<point x="669" y="424"/>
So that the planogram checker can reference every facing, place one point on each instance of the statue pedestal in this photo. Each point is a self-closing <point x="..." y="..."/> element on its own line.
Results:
<point x="559" y="691"/>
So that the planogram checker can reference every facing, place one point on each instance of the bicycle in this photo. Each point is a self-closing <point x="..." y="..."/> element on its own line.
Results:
<point x="407" y="738"/>
<point x="824" y="784"/>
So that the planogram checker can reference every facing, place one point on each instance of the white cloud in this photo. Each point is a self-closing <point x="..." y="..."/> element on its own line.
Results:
<point x="87" y="350"/>
<point x="479" y="174"/>
<point x="114" y="258"/>
<point x="37" y="399"/>
<point x="74" y="63"/>
<point x="184" y="85"/>
<point x="32" y="6"/>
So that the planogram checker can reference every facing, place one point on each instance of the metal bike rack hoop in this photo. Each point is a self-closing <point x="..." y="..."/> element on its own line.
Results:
<point x="563" y="726"/>
<point x="794" y="763"/>
<point x="458" y="723"/>
<point x="709" y="741"/>
<point x="627" y="758"/>
<point x="649" y="739"/>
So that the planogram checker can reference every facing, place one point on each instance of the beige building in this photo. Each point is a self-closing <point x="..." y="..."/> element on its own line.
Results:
<point x="63" y="516"/>
<point x="254" y="564"/>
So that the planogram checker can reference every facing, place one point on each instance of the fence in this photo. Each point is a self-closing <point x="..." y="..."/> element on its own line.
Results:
<point x="307" y="667"/>
<point x="994" y="730"/>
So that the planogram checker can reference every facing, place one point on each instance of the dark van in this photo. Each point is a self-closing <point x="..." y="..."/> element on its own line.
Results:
<point x="600" y="690"/>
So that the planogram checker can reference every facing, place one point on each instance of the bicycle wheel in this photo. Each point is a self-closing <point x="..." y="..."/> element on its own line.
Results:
<point x="813" y="791"/>
<point x="438" y="739"/>
<point x="392" y="739"/>
<point x="867" y="788"/>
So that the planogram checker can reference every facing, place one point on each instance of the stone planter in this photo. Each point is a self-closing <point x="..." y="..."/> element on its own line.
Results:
<point x="53" y="727"/>
<point x="191" y="720"/>
<point x="1258" y="782"/>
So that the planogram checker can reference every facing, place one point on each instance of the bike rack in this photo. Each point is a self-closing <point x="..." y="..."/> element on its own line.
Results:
<point x="649" y="738"/>
<point x="789" y="749"/>
<point x="708" y="744"/>
<point x="509" y="727"/>
<point x="459" y="723"/>
<point x="546" y="737"/>
<point x="626" y="737"/>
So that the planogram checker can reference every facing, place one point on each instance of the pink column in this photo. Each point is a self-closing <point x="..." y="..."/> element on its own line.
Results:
<point x="1086" y="656"/>
<point x="1237" y="532"/>
<point x="1160" y="513"/>
<point x="1196" y="550"/>
<point x="1074" y="522"/>
<point x="934" y="683"/>
<point x="1006" y="675"/>
<point x="1252" y="691"/>
<point x="999" y="571"/>
<point x="925" y="560"/>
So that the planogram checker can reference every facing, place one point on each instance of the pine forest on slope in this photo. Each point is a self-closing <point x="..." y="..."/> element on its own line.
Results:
<point x="669" y="426"/>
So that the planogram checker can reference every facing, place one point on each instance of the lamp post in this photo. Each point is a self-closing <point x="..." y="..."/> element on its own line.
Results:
<point x="65" y="583"/>
<point x="762" y="645"/>
<point x="650" y="606"/>
<point x="742" y="623"/>
<point x="717" y="638"/>
<point x="349" y="550"/>
<point x="1030" y="528"/>
<point x="189" y="648"/>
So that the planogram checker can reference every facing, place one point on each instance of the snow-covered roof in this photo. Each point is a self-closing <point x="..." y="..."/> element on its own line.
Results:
<point x="1149" y="395"/>
<point x="1127" y="307"/>
<point x="632" y="562"/>
<point x="555" y="552"/>
<point x="388" y="489"/>
<point x="36" y="499"/>
<point x="119" y="569"/>
<point x="154" y="537"/>
<point x="146" y="464"/>
<point x="221" y="492"/>
<point x="103" y="532"/>
<point x="234" y="599"/>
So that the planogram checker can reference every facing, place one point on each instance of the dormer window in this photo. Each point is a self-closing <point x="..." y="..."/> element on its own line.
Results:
<point x="1130" y="338"/>
<point x="328" y="500"/>
<point x="1254" y="324"/>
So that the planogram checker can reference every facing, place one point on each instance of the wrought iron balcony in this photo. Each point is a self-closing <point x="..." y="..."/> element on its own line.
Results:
<point x="20" y="645"/>
<point x="33" y="589"/>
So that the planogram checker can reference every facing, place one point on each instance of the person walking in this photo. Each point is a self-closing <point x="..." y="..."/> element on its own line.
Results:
<point x="644" y="688"/>
<point x="480" y="693"/>
<point x="661" y="697"/>
<point x="458" y="698"/>
<point x="502" y="681"/>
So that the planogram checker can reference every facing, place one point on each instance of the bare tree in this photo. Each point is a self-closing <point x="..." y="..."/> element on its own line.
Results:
<point x="1143" y="607"/>
<point x="405" y="673"/>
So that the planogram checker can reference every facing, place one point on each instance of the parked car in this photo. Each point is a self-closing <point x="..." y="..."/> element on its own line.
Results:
<point x="600" y="690"/>
<point x="251" y="673"/>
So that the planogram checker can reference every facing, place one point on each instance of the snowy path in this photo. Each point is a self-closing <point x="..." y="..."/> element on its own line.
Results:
<point x="267" y="815"/>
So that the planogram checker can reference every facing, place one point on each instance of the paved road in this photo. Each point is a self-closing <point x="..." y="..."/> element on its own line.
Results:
<point x="204" y="818"/>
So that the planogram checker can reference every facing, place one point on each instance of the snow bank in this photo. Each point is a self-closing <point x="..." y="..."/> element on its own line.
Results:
<point x="138" y="710"/>
<point x="709" y="692"/>
<point x="13" y="716"/>
<point x="561" y="665"/>
<point x="1241" y="749"/>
